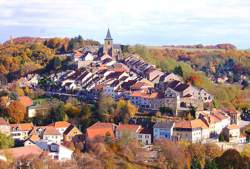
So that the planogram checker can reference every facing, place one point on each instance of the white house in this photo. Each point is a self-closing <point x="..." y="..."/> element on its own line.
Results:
<point x="51" y="135"/>
<point x="56" y="151"/>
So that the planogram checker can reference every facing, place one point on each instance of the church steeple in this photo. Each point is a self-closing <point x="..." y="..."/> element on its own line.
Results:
<point x="108" y="44"/>
<point x="108" y="36"/>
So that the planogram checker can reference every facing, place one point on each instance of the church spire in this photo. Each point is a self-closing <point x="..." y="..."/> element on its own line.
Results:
<point x="108" y="36"/>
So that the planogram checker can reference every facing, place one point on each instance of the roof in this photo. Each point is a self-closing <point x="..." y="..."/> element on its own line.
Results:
<point x="197" y="123"/>
<point x="108" y="36"/>
<point x="100" y="129"/>
<point x="60" y="124"/>
<point x="165" y="124"/>
<point x="34" y="138"/>
<point x="20" y="152"/>
<point x="3" y="121"/>
<point x="145" y="131"/>
<point x="232" y="127"/>
<point x="145" y="95"/>
<point x="51" y="131"/>
<point x="26" y="101"/>
<point x="22" y="126"/>
<point x="69" y="129"/>
<point x="128" y="127"/>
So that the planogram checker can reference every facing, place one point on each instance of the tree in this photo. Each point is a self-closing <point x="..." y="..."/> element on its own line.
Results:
<point x="230" y="159"/>
<point x="166" y="110"/>
<point x="245" y="84"/>
<point x="16" y="112"/>
<point x="106" y="107"/>
<point x="212" y="151"/>
<point x="58" y="114"/>
<point x="195" y="164"/>
<point x="210" y="165"/>
<point x="6" y="141"/>
<point x="178" y="70"/>
<point x="221" y="137"/>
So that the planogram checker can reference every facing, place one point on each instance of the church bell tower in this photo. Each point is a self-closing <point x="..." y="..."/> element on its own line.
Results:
<point x="108" y="44"/>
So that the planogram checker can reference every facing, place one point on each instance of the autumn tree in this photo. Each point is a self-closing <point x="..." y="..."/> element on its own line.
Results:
<point x="16" y="112"/>
<point x="231" y="159"/>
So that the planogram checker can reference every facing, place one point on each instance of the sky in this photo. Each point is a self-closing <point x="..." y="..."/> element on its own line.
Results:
<point x="149" y="22"/>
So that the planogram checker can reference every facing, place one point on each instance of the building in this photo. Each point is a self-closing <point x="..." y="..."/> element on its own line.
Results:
<point x="52" y="135"/>
<point x="232" y="133"/>
<point x="101" y="130"/>
<point x="20" y="152"/>
<point x="145" y="136"/>
<point x="72" y="133"/>
<point x="60" y="126"/>
<point x="21" y="131"/>
<point x="192" y="131"/>
<point x="4" y="126"/>
<point x="163" y="130"/>
<point x="217" y="120"/>
<point x="111" y="49"/>
<point x="134" y="131"/>
<point x="56" y="151"/>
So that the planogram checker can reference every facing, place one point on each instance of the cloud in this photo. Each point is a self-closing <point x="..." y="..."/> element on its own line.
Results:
<point x="130" y="20"/>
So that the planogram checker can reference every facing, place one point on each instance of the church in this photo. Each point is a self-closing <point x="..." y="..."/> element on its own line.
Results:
<point x="109" y="48"/>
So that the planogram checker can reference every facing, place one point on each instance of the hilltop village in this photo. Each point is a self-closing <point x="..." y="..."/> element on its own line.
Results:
<point x="183" y="112"/>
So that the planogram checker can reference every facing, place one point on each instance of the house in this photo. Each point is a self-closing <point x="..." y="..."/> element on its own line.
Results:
<point x="56" y="151"/>
<point x="20" y="152"/>
<point x="145" y="136"/>
<point x="163" y="130"/>
<point x="60" y="126"/>
<point x="192" y="131"/>
<point x="31" y="140"/>
<point x="127" y="129"/>
<point x="100" y="130"/>
<point x="232" y="134"/>
<point x="72" y="133"/>
<point x="76" y="56"/>
<point x="52" y="135"/>
<point x="21" y="131"/>
<point x="169" y="77"/>
<point x="4" y="126"/>
<point x="217" y="120"/>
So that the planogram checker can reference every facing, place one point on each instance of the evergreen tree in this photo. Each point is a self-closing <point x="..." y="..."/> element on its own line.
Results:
<point x="195" y="164"/>
<point x="210" y="165"/>
<point x="178" y="70"/>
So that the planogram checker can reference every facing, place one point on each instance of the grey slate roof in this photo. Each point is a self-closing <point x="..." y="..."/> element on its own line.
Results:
<point x="166" y="124"/>
<point x="108" y="36"/>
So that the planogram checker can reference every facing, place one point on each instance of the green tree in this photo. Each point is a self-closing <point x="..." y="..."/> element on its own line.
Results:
<point x="195" y="164"/>
<point x="178" y="70"/>
<point x="6" y="141"/>
<point x="211" y="165"/>
<point x="221" y="137"/>
<point x="58" y="114"/>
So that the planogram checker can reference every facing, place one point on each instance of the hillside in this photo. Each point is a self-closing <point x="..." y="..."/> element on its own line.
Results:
<point x="201" y="66"/>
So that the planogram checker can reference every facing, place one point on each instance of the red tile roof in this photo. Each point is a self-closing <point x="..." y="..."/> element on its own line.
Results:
<point x="100" y="130"/>
<point x="60" y="124"/>
<point x="50" y="130"/>
<point x="191" y="124"/>
<point x="23" y="126"/>
<point x="26" y="101"/>
<point x="129" y="127"/>
<point x="233" y="126"/>
<point x="20" y="152"/>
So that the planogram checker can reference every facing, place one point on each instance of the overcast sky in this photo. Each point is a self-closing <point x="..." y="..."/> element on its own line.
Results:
<point x="151" y="22"/>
